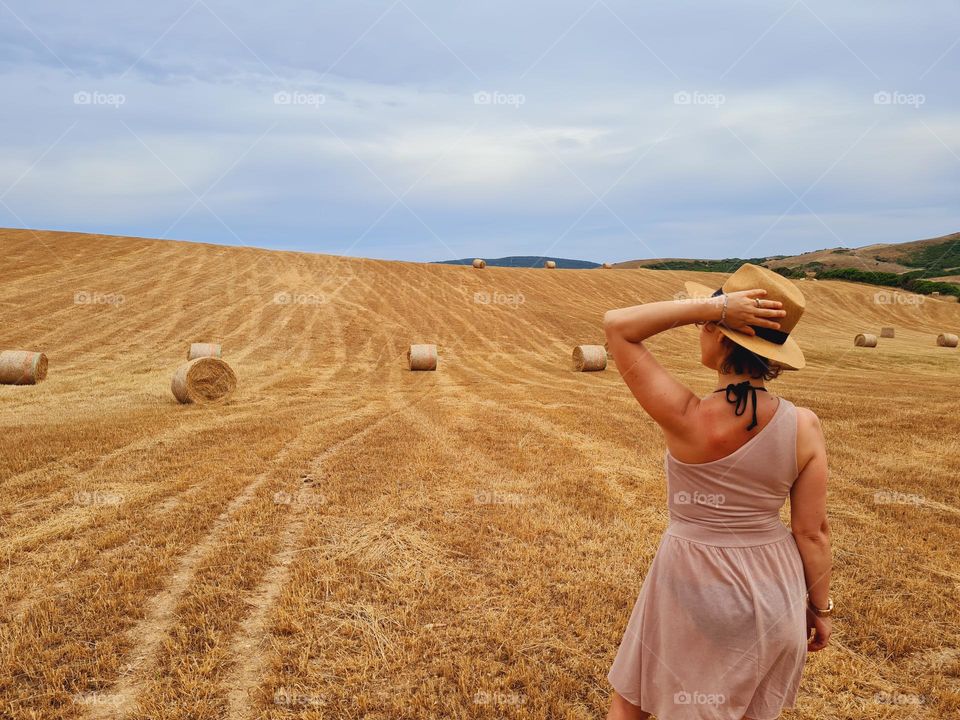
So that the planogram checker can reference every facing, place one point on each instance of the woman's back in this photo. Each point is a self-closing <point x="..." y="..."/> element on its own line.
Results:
<point x="735" y="499"/>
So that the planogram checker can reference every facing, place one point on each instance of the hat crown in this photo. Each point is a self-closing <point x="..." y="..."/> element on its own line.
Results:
<point x="779" y="288"/>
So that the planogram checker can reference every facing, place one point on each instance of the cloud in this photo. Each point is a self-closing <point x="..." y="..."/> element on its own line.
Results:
<point x="421" y="130"/>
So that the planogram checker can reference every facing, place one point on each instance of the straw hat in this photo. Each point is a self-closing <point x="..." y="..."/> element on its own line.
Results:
<point x="775" y="345"/>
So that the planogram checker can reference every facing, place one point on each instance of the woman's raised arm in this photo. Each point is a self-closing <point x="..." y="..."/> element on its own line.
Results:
<point x="664" y="398"/>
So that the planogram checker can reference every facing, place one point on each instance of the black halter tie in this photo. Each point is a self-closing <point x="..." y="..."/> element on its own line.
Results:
<point x="738" y="394"/>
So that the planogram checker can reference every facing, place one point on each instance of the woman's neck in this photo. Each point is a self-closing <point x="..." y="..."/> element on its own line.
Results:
<point x="724" y="379"/>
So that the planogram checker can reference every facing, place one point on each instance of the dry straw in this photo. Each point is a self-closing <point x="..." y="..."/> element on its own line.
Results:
<point x="199" y="350"/>
<point x="204" y="380"/>
<point x="865" y="340"/>
<point x="422" y="357"/>
<point x="479" y="264"/>
<point x="887" y="332"/>
<point x="22" y="367"/>
<point x="947" y="340"/>
<point x="550" y="264"/>
<point x="587" y="358"/>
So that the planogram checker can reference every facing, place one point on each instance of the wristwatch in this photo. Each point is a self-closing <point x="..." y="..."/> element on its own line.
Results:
<point x="821" y="612"/>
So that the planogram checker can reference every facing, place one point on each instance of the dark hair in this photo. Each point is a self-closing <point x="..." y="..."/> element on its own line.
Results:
<point x="740" y="360"/>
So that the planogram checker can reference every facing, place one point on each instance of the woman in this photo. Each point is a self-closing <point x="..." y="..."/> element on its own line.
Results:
<point x="733" y="600"/>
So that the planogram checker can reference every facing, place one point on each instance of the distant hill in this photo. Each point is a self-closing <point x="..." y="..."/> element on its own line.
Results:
<point x="923" y="266"/>
<point x="527" y="261"/>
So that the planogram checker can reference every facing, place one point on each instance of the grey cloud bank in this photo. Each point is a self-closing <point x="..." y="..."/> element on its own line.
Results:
<point x="425" y="130"/>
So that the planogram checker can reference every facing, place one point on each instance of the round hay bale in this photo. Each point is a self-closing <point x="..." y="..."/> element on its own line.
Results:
<point x="204" y="380"/>
<point x="22" y="367"/>
<point x="887" y="332"/>
<point x="865" y="340"/>
<point x="607" y="266"/>
<point x="199" y="350"/>
<point x="947" y="340"/>
<point x="422" y="357"/>
<point x="550" y="264"/>
<point x="589" y="358"/>
<point x="479" y="264"/>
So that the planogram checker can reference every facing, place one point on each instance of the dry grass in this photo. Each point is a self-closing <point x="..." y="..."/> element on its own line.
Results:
<point x="343" y="538"/>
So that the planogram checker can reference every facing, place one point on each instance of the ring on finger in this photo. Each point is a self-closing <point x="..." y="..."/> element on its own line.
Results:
<point x="758" y="302"/>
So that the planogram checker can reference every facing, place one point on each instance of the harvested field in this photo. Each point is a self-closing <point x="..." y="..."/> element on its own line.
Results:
<point x="344" y="538"/>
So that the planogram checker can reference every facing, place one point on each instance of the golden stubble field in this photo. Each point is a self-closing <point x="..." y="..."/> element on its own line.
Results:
<point x="347" y="539"/>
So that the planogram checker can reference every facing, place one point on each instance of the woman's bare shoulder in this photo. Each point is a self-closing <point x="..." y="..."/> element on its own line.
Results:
<point x="810" y="440"/>
<point x="807" y="420"/>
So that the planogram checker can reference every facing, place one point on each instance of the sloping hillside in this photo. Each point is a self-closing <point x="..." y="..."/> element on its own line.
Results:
<point x="345" y="538"/>
<point x="527" y="261"/>
<point x="936" y="257"/>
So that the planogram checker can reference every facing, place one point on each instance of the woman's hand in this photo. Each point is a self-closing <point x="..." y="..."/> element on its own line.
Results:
<point x="818" y="631"/>
<point x="747" y="307"/>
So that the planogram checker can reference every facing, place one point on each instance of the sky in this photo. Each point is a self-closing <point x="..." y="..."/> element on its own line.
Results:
<point x="422" y="130"/>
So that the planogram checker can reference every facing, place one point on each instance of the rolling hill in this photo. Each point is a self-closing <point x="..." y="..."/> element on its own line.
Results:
<point x="931" y="259"/>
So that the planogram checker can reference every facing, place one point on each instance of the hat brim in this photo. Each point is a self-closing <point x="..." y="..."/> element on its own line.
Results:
<point x="789" y="355"/>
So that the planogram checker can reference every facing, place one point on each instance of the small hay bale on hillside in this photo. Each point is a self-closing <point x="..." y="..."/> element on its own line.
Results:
<point x="199" y="350"/>
<point x="22" y="367"/>
<point x="479" y="264"/>
<point x="589" y="358"/>
<point x="887" y="332"/>
<point x="865" y="340"/>
<point x="422" y="357"/>
<point x="947" y="340"/>
<point x="204" y="380"/>
<point x="550" y="264"/>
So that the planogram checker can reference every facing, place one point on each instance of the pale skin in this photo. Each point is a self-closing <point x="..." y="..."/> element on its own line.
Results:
<point x="705" y="429"/>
